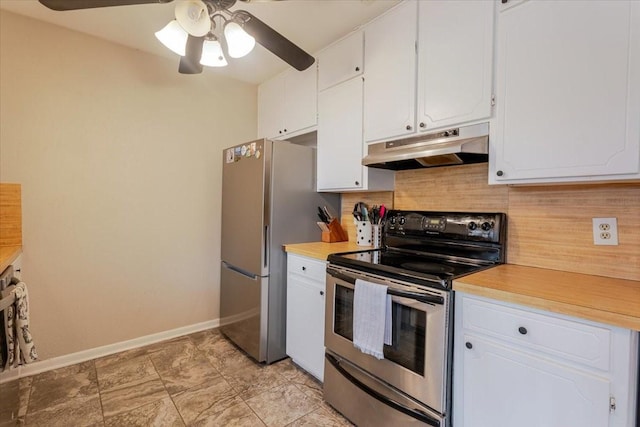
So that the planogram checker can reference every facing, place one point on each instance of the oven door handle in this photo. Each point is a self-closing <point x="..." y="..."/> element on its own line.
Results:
<point x="412" y="412"/>
<point x="433" y="299"/>
<point x="429" y="299"/>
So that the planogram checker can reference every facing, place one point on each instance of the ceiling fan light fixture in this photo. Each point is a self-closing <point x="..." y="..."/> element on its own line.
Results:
<point x="174" y="37"/>
<point x="240" y="43"/>
<point x="193" y="16"/>
<point x="212" y="55"/>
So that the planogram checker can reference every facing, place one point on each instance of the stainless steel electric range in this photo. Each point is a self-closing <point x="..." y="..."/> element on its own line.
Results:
<point x="421" y="254"/>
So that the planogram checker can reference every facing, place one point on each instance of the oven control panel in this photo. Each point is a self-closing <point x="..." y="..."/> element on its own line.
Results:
<point x="466" y="226"/>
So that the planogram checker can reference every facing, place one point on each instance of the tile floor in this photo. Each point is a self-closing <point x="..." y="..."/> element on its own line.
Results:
<point x="197" y="380"/>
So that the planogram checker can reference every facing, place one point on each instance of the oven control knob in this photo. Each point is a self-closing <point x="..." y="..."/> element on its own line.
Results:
<point x="486" y="226"/>
<point x="393" y="220"/>
<point x="402" y="220"/>
<point x="472" y="225"/>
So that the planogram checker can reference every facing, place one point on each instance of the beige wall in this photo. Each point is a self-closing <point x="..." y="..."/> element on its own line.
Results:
<point x="118" y="156"/>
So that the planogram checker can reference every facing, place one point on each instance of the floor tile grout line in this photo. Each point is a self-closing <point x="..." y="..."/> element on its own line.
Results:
<point x="166" y="390"/>
<point x="95" y="369"/>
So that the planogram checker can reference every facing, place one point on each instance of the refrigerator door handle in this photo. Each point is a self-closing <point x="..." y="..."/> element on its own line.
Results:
<point x="239" y="271"/>
<point x="266" y="246"/>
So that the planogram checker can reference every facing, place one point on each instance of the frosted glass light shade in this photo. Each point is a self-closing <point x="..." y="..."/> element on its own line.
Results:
<point x="240" y="43"/>
<point x="174" y="37"/>
<point x="193" y="16"/>
<point x="212" y="55"/>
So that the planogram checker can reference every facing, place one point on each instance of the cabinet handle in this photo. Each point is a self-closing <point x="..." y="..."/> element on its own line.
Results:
<point x="504" y="1"/>
<point x="357" y="68"/>
<point x="468" y="345"/>
<point x="304" y="268"/>
<point x="409" y="127"/>
<point x="522" y="330"/>
<point x="285" y="130"/>
<point x="279" y="131"/>
<point x="423" y="125"/>
<point x="499" y="173"/>
<point x="357" y="183"/>
<point x="321" y="292"/>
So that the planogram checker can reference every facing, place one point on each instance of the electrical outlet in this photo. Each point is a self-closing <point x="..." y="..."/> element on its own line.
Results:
<point x="605" y="231"/>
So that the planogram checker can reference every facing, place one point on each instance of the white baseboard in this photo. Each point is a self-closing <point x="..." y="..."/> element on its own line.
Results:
<point x="93" y="353"/>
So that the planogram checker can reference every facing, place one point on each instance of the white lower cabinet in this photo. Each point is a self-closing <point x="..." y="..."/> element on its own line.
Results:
<point x="305" y="313"/>
<point x="516" y="366"/>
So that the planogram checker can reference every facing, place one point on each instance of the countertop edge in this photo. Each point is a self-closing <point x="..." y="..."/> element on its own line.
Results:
<point x="8" y="254"/>
<point x="321" y="250"/>
<point x="588" y="313"/>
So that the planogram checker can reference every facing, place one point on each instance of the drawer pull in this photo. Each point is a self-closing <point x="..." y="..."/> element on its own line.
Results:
<point x="321" y="293"/>
<point x="304" y="268"/>
<point x="468" y="345"/>
<point x="522" y="330"/>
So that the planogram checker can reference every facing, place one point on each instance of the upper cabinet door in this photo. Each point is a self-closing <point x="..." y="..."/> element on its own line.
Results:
<point x="340" y="137"/>
<point x="301" y="99"/>
<point x="341" y="61"/>
<point x="271" y="107"/>
<point x="287" y="104"/>
<point x="390" y="79"/>
<point x="455" y="62"/>
<point x="568" y="92"/>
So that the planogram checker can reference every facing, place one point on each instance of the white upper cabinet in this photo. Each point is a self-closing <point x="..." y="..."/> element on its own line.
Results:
<point x="390" y="74"/>
<point x="341" y="61"/>
<point x="428" y="73"/>
<point x="568" y="92"/>
<point x="340" y="115"/>
<point x="287" y="104"/>
<point x="340" y="142"/>
<point x="455" y="62"/>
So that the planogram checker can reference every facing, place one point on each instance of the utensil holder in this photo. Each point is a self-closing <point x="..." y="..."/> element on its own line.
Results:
<point x="363" y="233"/>
<point x="335" y="234"/>
<point x="376" y="235"/>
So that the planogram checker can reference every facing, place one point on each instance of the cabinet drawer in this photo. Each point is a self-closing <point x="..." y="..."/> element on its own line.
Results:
<point x="307" y="267"/>
<point x="571" y="340"/>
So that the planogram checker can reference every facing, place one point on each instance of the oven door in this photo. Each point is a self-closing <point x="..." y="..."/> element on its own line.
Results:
<point x="417" y="361"/>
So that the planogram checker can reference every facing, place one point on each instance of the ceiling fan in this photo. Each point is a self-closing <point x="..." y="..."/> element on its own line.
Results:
<point x="205" y="32"/>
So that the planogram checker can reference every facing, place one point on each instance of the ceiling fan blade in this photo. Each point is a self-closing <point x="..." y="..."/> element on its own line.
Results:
<point x="190" y="62"/>
<point x="90" y="4"/>
<point x="276" y="43"/>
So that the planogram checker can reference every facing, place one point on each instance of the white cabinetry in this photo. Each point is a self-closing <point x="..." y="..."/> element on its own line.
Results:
<point x="452" y="69"/>
<point x="305" y="313"/>
<point x="515" y="366"/>
<point x="568" y="92"/>
<point x="340" y="108"/>
<point x="341" y="61"/>
<point x="287" y="104"/>
<point x="455" y="62"/>
<point x="390" y="74"/>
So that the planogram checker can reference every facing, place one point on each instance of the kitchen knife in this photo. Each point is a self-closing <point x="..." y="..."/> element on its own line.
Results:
<point x="322" y="216"/>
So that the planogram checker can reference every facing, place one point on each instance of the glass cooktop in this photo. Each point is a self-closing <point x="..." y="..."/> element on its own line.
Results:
<point x="403" y="264"/>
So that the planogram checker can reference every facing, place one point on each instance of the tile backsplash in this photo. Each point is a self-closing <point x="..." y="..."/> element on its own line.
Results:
<point x="548" y="226"/>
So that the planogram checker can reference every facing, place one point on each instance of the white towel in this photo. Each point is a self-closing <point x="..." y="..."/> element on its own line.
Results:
<point x="369" y="314"/>
<point x="388" y="333"/>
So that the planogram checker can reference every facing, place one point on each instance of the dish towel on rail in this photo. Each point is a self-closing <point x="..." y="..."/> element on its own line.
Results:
<point x="19" y="342"/>
<point x="370" y="303"/>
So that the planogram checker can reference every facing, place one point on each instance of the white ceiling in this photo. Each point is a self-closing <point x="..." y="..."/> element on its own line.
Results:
<point x="311" y="24"/>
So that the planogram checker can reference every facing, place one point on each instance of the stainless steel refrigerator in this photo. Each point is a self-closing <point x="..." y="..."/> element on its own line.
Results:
<point x="268" y="199"/>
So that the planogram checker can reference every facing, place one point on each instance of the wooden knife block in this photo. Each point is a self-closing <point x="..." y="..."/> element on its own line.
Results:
<point x="335" y="234"/>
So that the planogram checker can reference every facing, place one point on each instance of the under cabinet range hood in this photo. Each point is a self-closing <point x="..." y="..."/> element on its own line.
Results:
<point x="454" y="146"/>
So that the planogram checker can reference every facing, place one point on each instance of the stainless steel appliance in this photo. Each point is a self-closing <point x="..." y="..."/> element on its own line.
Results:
<point x="422" y="253"/>
<point x="453" y="146"/>
<point x="268" y="199"/>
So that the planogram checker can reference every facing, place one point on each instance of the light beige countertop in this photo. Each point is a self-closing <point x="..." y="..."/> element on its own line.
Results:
<point x="8" y="255"/>
<point x="597" y="298"/>
<point x="321" y="250"/>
